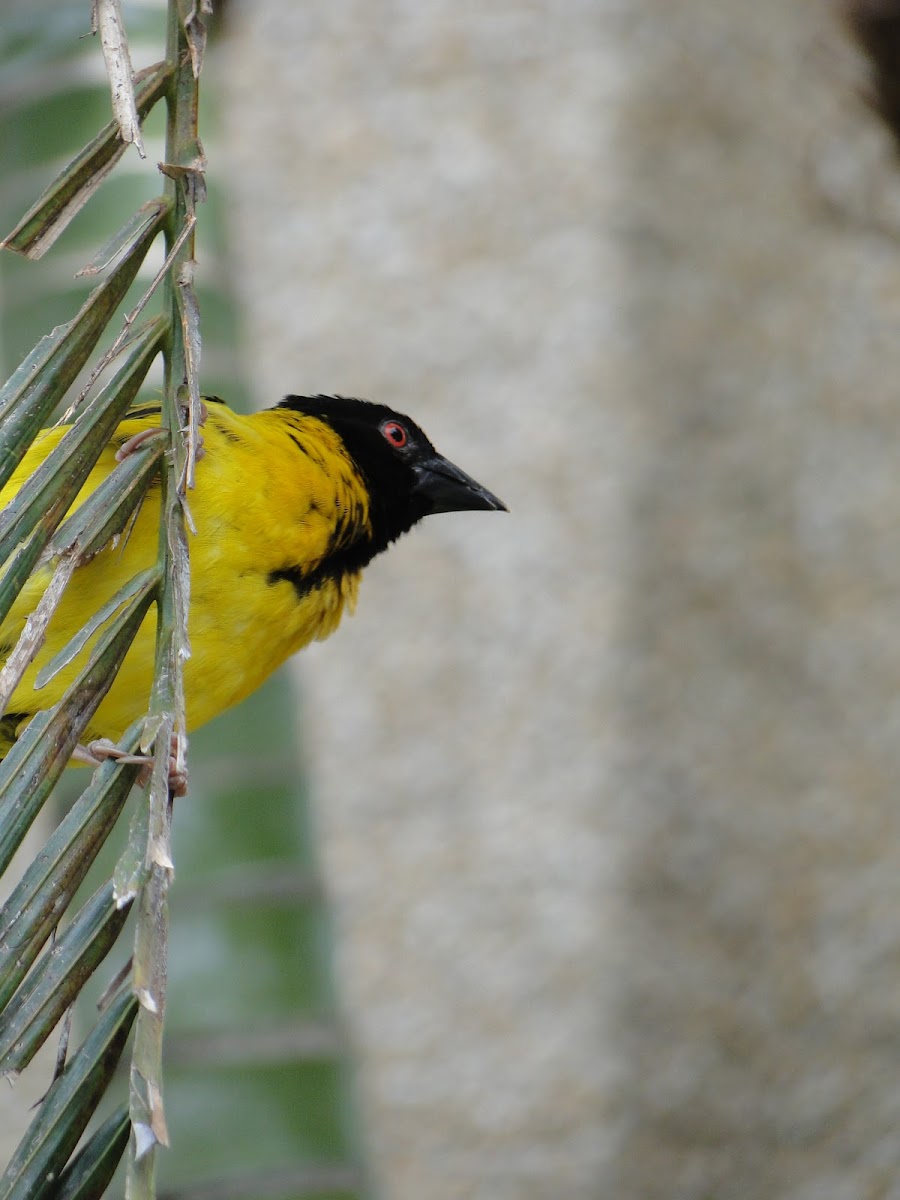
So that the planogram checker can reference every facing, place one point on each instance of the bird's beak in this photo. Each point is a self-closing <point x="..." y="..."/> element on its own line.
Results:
<point x="445" y="488"/>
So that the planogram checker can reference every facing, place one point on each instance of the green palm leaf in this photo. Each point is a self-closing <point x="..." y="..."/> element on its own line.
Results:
<point x="257" y="1082"/>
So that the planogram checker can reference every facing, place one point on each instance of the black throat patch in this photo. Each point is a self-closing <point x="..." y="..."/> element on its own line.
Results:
<point x="335" y="566"/>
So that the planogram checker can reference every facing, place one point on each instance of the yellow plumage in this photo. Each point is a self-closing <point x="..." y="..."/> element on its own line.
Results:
<point x="285" y="521"/>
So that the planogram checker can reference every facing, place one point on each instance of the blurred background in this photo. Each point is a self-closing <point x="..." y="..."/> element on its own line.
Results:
<point x="604" y="791"/>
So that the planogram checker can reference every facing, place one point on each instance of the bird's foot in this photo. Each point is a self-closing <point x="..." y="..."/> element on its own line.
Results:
<point x="137" y="439"/>
<point x="102" y="749"/>
<point x="178" y="772"/>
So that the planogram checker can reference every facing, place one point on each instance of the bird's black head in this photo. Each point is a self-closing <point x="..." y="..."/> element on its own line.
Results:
<point x="406" y="477"/>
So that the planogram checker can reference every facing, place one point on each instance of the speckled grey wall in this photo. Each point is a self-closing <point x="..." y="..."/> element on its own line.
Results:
<point x="607" y="787"/>
<point x="434" y="180"/>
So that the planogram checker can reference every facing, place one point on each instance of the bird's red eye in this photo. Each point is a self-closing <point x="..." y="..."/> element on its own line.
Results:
<point x="395" y="433"/>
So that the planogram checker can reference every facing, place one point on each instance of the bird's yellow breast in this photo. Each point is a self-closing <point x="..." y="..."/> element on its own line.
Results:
<point x="276" y="495"/>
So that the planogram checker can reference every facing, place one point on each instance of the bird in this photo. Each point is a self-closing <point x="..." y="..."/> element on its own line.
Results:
<point x="290" y="504"/>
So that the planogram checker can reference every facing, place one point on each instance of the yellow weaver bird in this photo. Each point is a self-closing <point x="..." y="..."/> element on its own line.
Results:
<point x="290" y="505"/>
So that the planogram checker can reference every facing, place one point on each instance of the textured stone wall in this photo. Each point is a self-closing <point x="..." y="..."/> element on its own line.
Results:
<point x="759" y="1004"/>
<point x="607" y="787"/>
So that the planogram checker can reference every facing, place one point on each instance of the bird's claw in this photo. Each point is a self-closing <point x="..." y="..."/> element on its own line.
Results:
<point x="137" y="440"/>
<point x="102" y="749"/>
<point x="178" y="772"/>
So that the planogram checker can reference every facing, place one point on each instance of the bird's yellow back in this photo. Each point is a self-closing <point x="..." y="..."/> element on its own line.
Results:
<point x="276" y="493"/>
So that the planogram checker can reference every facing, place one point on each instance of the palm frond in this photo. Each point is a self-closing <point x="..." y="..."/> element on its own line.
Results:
<point x="53" y="933"/>
<point x="41" y="974"/>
